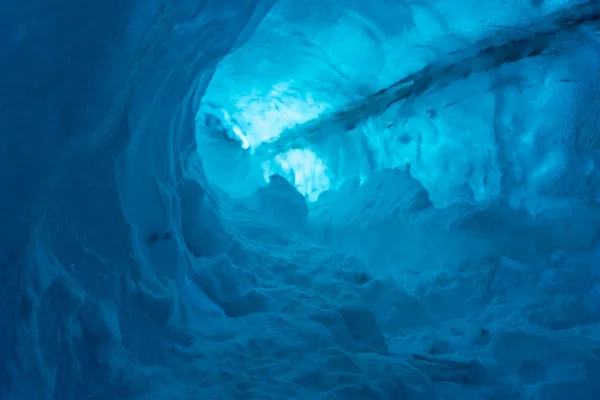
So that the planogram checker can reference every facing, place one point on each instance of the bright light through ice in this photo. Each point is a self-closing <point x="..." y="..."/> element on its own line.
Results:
<point x="304" y="169"/>
<point x="266" y="116"/>
<point x="240" y="135"/>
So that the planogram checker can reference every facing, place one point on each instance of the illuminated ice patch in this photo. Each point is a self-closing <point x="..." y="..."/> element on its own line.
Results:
<point x="267" y="115"/>
<point x="218" y="121"/>
<point x="303" y="168"/>
<point x="237" y="131"/>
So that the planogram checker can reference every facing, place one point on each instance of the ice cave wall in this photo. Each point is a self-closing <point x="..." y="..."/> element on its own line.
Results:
<point x="121" y="278"/>
<point x="95" y="109"/>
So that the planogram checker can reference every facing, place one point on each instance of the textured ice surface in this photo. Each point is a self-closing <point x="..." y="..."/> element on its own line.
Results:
<point x="320" y="200"/>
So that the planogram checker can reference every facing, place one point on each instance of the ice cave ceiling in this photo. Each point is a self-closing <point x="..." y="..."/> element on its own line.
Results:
<point x="322" y="200"/>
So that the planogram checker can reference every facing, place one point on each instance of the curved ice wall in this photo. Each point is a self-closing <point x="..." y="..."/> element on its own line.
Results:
<point x="273" y="200"/>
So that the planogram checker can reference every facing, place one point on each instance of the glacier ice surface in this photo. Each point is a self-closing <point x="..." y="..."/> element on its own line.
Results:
<point x="318" y="200"/>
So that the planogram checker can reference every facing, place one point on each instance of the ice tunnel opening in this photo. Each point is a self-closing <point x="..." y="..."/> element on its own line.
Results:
<point x="461" y="140"/>
<point x="259" y="121"/>
<point x="452" y="125"/>
<point x="324" y="70"/>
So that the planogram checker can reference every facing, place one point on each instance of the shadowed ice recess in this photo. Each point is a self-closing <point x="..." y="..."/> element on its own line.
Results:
<point x="320" y="200"/>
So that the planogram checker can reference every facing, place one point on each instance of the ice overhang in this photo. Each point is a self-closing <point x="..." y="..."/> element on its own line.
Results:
<point x="284" y="119"/>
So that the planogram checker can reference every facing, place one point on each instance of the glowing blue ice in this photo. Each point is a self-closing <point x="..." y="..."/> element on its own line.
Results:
<point x="316" y="200"/>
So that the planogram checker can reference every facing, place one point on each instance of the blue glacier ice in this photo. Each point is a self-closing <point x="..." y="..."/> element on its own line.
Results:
<point x="319" y="200"/>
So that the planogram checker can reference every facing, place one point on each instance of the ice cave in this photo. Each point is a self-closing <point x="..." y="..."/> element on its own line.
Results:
<point x="317" y="200"/>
